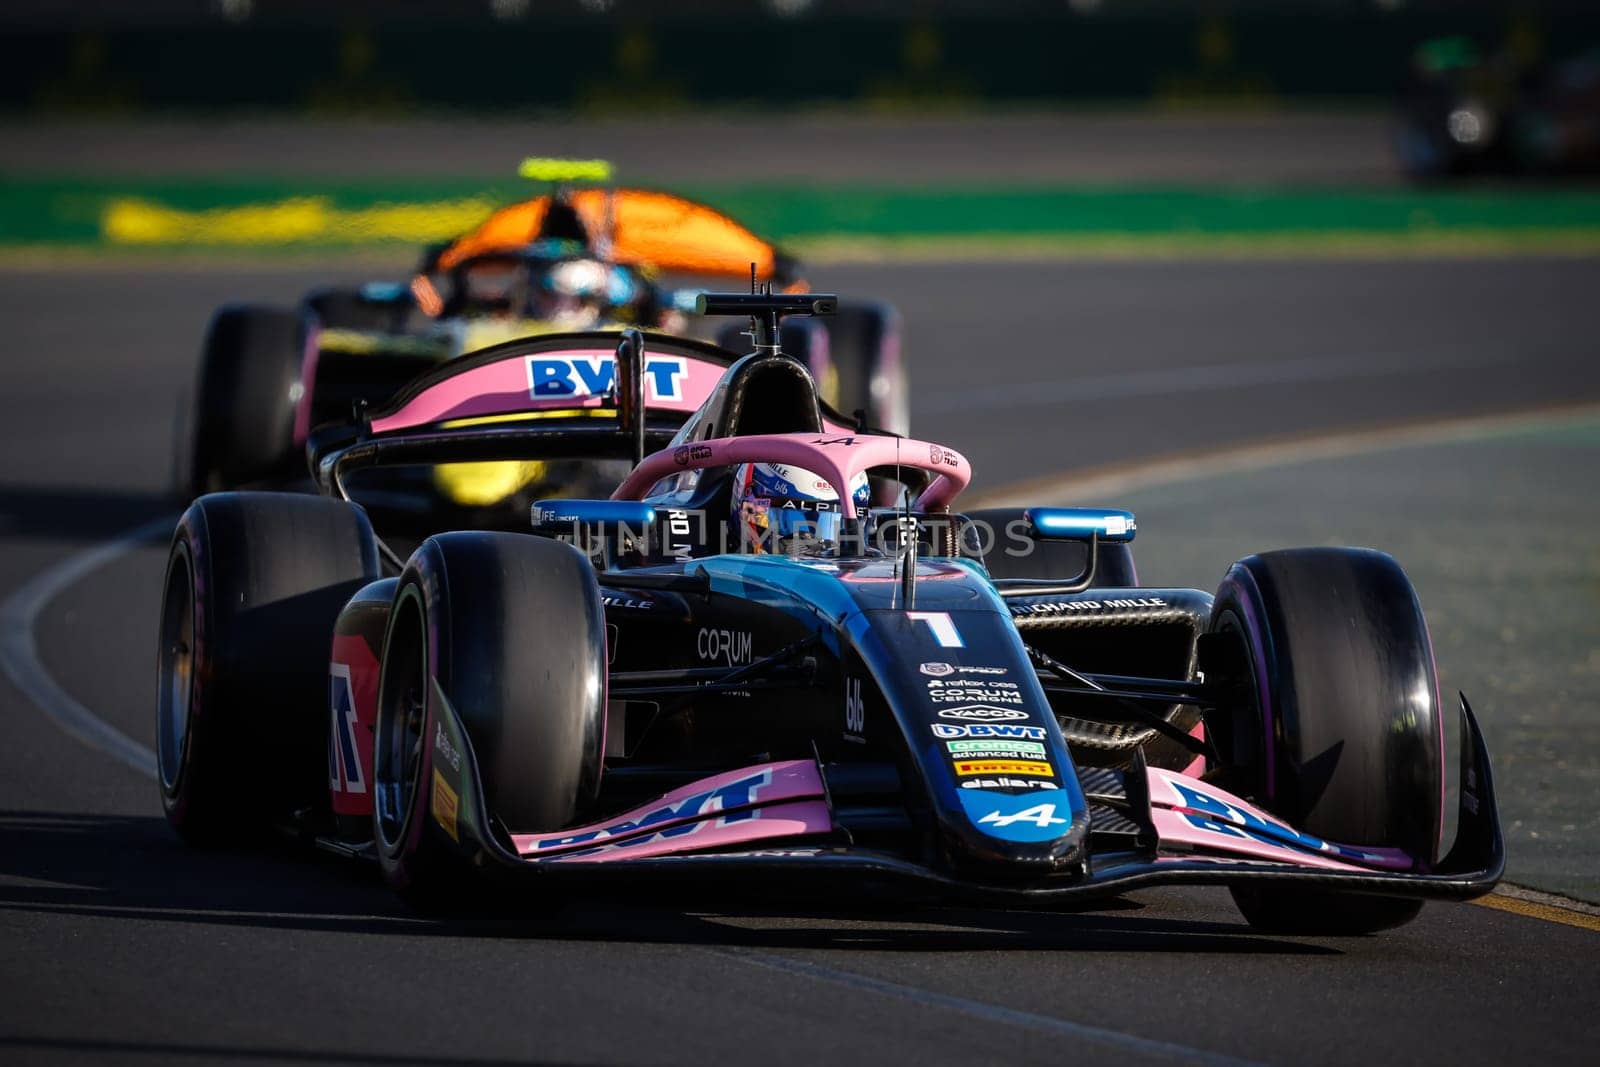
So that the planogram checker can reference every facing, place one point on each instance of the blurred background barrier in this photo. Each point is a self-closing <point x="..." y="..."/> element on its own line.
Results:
<point x="609" y="56"/>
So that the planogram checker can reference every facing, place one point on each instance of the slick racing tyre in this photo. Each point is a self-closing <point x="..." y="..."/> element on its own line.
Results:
<point x="867" y="366"/>
<point x="1341" y="723"/>
<point x="508" y="630"/>
<point x="254" y="583"/>
<point x="245" y="399"/>
<point x="348" y="309"/>
<point x="993" y="539"/>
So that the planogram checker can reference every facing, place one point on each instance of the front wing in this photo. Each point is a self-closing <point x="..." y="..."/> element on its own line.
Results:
<point x="778" y="819"/>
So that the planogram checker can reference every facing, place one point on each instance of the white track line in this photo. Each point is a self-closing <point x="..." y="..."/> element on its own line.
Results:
<point x="19" y="650"/>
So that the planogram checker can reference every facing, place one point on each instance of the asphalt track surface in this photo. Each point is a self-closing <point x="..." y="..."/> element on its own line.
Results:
<point x="119" y="945"/>
<point x="893" y="149"/>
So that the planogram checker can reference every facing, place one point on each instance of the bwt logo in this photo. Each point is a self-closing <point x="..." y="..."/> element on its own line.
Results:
<point x="581" y="376"/>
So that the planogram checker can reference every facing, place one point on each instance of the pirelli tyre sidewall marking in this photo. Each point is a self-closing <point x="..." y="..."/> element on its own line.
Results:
<point x="444" y="805"/>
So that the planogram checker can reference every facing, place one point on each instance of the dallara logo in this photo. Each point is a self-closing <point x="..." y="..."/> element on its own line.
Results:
<point x="982" y="713"/>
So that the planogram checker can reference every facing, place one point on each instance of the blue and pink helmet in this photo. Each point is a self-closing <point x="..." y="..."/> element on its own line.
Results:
<point x="778" y="507"/>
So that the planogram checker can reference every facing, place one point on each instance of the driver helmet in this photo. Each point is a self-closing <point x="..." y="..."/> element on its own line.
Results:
<point x="582" y="293"/>
<point x="786" y="509"/>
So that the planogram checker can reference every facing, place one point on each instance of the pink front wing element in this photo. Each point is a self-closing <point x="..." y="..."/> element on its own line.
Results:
<point x="687" y="814"/>
<point x="736" y="828"/>
<point x="835" y="458"/>
<point x="1177" y="829"/>
<point x="549" y="381"/>
<point x="1191" y="814"/>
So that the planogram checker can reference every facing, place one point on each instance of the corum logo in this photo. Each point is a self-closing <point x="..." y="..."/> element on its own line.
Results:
<point x="980" y="713"/>
<point x="938" y="670"/>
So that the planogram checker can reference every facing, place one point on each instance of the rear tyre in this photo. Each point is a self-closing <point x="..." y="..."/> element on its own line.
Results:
<point x="869" y="368"/>
<point x="1341" y="731"/>
<point x="348" y="309"/>
<point x="510" y="630"/>
<point x="1007" y="555"/>
<point x="245" y="400"/>
<point x="254" y="583"/>
<point x="856" y="360"/>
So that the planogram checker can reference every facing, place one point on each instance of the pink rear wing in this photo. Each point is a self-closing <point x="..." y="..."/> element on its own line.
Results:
<point x="558" y="373"/>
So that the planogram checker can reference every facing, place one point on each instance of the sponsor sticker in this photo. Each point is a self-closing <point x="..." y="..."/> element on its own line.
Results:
<point x="941" y="692"/>
<point x="576" y="377"/>
<point x="999" y="729"/>
<point x="444" y="749"/>
<point x="1040" y="815"/>
<point x="967" y="768"/>
<point x="444" y="805"/>
<point x="1069" y="607"/>
<point x="1008" y="783"/>
<point x="945" y="670"/>
<point x="982" y="713"/>
<point x="683" y="455"/>
<point x="629" y="603"/>
<point x="998" y="749"/>
<point x="731" y="647"/>
<point x="855" y="710"/>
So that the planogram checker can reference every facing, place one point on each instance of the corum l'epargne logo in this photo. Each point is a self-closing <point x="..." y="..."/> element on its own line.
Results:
<point x="983" y="713"/>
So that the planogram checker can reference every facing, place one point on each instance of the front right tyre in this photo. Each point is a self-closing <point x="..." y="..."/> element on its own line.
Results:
<point x="1338" y="718"/>
<point x="508" y="632"/>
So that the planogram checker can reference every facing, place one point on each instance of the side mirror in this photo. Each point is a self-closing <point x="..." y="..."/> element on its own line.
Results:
<point x="552" y="517"/>
<point x="603" y="530"/>
<point x="1079" y="524"/>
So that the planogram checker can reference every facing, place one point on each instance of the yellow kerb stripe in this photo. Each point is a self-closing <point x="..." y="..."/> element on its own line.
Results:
<point x="1532" y="909"/>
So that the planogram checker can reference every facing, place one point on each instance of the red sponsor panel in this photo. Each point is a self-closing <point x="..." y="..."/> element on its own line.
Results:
<point x="352" y="714"/>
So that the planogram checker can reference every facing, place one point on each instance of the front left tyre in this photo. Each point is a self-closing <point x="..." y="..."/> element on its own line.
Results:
<point x="253" y="585"/>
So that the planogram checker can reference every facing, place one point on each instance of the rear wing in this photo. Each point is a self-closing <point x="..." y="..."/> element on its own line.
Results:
<point x="573" y="372"/>
<point x="549" y="397"/>
<point x="637" y="227"/>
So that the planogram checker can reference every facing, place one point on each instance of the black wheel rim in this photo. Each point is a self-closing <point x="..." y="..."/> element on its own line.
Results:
<point x="176" y="670"/>
<point x="402" y="717"/>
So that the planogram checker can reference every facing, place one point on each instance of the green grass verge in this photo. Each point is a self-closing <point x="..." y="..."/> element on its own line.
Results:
<point x="835" y="222"/>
